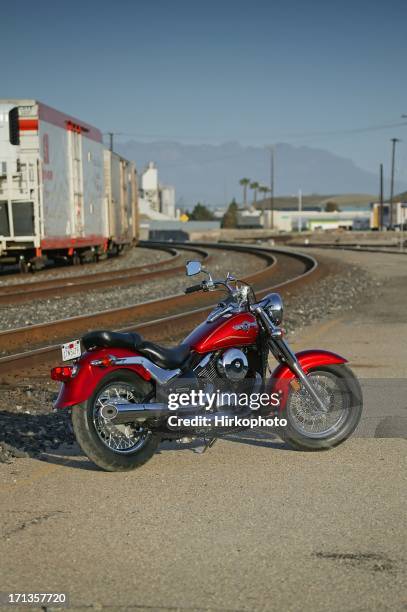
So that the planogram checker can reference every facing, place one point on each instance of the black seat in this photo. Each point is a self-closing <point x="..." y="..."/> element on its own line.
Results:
<point x="108" y="339"/>
<point x="169" y="358"/>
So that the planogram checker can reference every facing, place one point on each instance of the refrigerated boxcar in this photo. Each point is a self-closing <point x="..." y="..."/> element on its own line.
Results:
<point x="121" y="200"/>
<point x="52" y="187"/>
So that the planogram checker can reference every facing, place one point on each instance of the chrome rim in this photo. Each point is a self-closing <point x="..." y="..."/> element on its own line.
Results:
<point x="122" y="438"/>
<point x="307" y="418"/>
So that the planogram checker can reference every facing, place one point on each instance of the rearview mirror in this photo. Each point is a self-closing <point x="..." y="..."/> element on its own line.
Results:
<point x="193" y="267"/>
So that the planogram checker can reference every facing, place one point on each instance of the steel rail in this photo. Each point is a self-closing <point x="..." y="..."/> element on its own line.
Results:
<point x="164" y="327"/>
<point x="26" y="292"/>
<point x="60" y="329"/>
<point x="355" y="247"/>
<point x="10" y="275"/>
<point x="43" y="283"/>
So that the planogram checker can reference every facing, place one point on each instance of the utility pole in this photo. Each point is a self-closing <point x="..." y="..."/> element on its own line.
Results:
<point x="111" y="135"/>
<point x="402" y="216"/>
<point x="272" y="187"/>
<point x="393" y="156"/>
<point x="381" y="199"/>
<point x="299" y="210"/>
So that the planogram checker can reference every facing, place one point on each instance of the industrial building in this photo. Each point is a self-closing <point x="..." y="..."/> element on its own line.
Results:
<point x="293" y="221"/>
<point x="399" y="215"/>
<point x="156" y="201"/>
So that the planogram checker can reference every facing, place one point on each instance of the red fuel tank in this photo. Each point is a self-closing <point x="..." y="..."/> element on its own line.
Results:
<point x="237" y="330"/>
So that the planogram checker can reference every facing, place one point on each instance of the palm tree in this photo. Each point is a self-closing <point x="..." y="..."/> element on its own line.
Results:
<point x="244" y="182"/>
<point x="255" y="185"/>
<point x="264" y="190"/>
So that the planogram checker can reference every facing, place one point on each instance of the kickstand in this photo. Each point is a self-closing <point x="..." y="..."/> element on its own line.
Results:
<point x="207" y="444"/>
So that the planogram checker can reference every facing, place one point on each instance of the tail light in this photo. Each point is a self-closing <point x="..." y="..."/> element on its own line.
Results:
<point x="64" y="373"/>
<point x="105" y="362"/>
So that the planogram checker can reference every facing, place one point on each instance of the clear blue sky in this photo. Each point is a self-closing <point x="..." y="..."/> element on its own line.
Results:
<point x="255" y="71"/>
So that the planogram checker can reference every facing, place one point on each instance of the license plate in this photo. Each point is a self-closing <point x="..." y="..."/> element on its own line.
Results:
<point x="71" y="350"/>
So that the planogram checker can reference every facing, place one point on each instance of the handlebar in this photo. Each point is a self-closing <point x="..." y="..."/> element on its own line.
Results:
<point x="207" y="286"/>
<point x="194" y="288"/>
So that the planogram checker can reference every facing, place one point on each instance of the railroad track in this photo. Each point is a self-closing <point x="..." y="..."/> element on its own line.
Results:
<point x="26" y="292"/>
<point x="353" y="247"/>
<point x="32" y="335"/>
<point x="163" y="320"/>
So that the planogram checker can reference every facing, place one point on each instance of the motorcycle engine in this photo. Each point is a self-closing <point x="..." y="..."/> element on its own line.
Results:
<point x="230" y="371"/>
<point x="233" y="365"/>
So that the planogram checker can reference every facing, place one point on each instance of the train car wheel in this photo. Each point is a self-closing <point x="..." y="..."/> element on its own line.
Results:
<point x="76" y="260"/>
<point x="23" y="266"/>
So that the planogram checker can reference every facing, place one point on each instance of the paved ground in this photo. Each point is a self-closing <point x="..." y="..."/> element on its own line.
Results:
<point x="374" y="338"/>
<point x="250" y="525"/>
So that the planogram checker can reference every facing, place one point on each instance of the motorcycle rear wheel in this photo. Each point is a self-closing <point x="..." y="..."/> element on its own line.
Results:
<point x="113" y="448"/>
<point x="310" y="429"/>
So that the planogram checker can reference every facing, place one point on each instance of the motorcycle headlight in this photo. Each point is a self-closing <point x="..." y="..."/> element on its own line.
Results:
<point x="273" y="305"/>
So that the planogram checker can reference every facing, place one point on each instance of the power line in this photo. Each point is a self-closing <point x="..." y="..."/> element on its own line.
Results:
<point x="287" y="135"/>
<point x="361" y="130"/>
<point x="246" y="149"/>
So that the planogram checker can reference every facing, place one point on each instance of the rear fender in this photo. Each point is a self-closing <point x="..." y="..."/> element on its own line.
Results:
<point x="81" y="387"/>
<point x="309" y="360"/>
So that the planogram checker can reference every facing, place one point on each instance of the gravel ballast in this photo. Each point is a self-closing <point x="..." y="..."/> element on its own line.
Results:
<point x="129" y="258"/>
<point x="53" y="309"/>
<point x="28" y="425"/>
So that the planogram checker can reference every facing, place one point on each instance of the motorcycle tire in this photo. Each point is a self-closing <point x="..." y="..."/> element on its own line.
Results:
<point x="95" y="440"/>
<point x="349" y="392"/>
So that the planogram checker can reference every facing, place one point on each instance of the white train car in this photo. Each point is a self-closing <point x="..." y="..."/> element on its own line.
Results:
<point x="52" y="187"/>
<point x="121" y="200"/>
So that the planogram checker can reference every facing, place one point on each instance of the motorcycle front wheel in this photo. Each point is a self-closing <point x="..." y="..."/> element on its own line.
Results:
<point x="308" y="427"/>
<point x="114" y="448"/>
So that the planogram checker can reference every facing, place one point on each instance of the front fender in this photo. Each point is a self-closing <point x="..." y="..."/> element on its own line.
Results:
<point x="81" y="387"/>
<point x="309" y="359"/>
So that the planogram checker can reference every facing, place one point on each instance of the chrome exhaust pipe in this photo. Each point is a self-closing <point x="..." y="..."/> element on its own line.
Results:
<point x="127" y="412"/>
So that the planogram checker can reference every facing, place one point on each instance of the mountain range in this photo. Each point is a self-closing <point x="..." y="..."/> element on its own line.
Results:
<point x="211" y="173"/>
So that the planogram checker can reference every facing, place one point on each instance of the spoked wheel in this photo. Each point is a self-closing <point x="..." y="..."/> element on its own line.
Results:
<point x="113" y="447"/>
<point x="118" y="438"/>
<point x="311" y="428"/>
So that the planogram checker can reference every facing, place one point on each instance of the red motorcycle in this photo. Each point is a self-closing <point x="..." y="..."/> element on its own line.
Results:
<point x="126" y="394"/>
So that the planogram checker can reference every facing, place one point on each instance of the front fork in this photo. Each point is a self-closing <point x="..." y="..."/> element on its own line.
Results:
<point x="287" y="356"/>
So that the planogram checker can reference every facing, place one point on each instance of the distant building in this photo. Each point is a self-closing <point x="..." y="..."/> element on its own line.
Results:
<point x="348" y="201"/>
<point x="399" y="214"/>
<point x="219" y="212"/>
<point x="155" y="198"/>
<point x="249" y="219"/>
<point x="149" y="186"/>
<point x="293" y="221"/>
<point x="167" y="200"/>
<point x="179" y="230"/>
